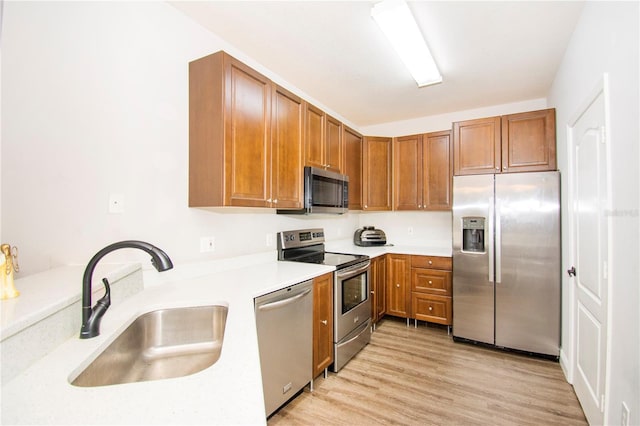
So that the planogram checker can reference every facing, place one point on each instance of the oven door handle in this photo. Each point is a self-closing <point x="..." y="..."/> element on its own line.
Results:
<point x="352" y="272"/>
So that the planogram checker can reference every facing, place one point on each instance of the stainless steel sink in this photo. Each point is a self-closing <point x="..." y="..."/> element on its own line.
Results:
<point x="159" y="345"/>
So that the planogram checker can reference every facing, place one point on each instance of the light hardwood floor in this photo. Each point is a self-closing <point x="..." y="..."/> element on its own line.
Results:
<point x="409" y="376"/>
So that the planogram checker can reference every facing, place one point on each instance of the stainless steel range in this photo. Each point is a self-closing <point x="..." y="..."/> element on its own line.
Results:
<point x="352" y="303"/>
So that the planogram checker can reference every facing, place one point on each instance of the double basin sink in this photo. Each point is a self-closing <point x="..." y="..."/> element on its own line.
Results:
<point x="161" y="344"/>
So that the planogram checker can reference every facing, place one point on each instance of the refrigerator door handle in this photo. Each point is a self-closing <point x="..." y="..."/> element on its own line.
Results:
<point x="490" y="232"/>
<point x="498" y="245"/>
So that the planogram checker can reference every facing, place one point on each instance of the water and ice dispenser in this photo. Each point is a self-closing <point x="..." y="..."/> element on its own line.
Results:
<point x="473" y="234"/>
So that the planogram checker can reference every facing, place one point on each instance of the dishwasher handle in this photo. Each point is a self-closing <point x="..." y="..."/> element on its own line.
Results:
<point x="283" y="302"/>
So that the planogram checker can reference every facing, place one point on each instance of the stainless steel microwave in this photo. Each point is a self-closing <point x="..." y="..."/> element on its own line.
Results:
<point x="324" y="192"/>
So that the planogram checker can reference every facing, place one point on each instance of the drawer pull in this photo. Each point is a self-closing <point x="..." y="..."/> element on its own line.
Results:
<point x="431" y="308"/>
<point x="430" y="262"/>
<point x="398" y="285"/>
<point x="325" y="321"/>
<point x="430" y="282"/>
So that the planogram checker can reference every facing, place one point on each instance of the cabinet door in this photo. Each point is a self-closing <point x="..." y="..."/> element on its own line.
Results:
<point x="352" y="142"/>
<point x="247" y="136"/>
<point x="529" y="141"/>
<point x="398" y="287"/>
<point x="476" y="146"/>
<point x="437" y="172"/>
<point x="407" y="173"/>
<point x="378" y="287"/>
<point x="322" y="323"/>
<point x="381" y="287"/>
<point x="376" y="187"/>
<point x="314" y="136"/>
<point x="287" y="150"/>
<point x="333" y="145"/>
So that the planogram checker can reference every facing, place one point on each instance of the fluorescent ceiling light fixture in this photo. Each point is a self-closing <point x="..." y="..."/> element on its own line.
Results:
<point x="397" y="23"/>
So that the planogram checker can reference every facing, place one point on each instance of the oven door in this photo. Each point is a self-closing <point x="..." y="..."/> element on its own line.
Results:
<point x="352" y="306"/>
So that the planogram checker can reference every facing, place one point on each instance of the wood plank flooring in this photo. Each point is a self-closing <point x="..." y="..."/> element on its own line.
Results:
<point x="409" y="376"/>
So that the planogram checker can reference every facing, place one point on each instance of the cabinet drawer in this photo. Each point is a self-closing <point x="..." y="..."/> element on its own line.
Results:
<point x="432" y="281"/>
<point x="427" y="307"/>
<point x="433" y="262"/>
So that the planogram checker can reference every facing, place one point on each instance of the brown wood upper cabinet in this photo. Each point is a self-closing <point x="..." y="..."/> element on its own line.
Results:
<point x="323" y="146"/>
<point x="239" y="153"/>
<point x="522" y="142"/>
<point x="376" y="173"/>
<point x="422" y="171"/>
<point x="287" y="149"/>
<point x="352" y="142"/>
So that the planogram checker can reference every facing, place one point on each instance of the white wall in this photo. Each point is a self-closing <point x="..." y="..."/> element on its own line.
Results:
<point x="435" y="123"/>
<point x="606" y="40"/>
<point x="95" y="102"/>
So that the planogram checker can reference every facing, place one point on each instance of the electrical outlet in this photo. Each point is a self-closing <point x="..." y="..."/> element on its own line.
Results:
<point x="624" y="421"/>
<point x="269" y="240"/>
<point x="207" y="244"/>
<point x="410" y="230"/>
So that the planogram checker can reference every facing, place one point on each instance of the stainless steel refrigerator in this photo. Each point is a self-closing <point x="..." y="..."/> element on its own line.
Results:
<point x="506" y="260"/>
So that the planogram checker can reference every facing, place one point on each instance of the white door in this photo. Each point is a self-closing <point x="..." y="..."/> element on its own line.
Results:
<point x="589" y="218"/>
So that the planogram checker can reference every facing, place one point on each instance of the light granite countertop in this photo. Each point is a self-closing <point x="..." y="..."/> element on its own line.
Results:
<point x="229" y="392"/>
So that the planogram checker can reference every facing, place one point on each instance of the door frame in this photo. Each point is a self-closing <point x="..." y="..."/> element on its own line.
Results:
<point x="568" y="360"/>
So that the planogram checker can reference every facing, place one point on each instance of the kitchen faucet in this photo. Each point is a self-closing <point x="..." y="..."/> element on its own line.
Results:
<point x="91" y="316"/>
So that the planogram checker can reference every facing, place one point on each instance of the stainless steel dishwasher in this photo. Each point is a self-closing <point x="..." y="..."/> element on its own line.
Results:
<point x="284" y="322"/>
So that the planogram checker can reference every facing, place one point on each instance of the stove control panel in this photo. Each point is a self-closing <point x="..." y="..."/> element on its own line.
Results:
<point x="300" y="238"/>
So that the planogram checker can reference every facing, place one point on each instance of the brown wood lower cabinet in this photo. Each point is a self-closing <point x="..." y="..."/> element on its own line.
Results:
<point x="418" y="287"/>
<point x="378" y="288"/>
<point x="322" y="323"/>
<point x="431" y="294"/>
<point x="398" y="285"/>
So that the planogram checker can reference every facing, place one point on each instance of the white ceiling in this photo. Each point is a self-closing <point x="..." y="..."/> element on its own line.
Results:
<point x="489" y="53"/>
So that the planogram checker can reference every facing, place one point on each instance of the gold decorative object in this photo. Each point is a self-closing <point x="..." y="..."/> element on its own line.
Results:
<point x="8" y="265"/>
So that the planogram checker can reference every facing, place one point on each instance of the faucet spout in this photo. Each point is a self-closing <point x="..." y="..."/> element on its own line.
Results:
<point x="91" y="316"/>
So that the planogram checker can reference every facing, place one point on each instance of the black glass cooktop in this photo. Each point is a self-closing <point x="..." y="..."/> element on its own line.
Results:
<point x="339" y="260"/>
<point x="308" y="246"/>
